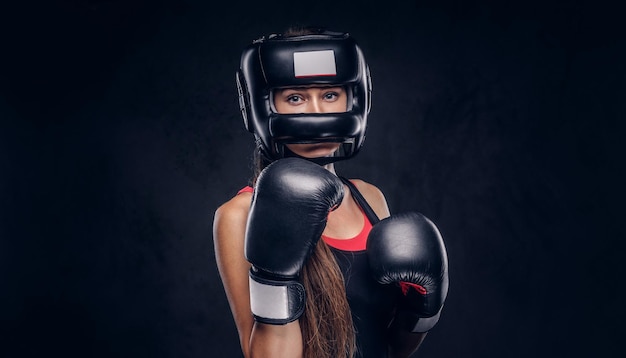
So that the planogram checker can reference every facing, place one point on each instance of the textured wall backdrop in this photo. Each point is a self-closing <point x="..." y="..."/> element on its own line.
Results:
<point x="120" y="135"/>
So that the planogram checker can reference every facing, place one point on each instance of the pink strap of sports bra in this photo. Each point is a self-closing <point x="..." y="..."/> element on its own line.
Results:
<point x="247" y="189"/>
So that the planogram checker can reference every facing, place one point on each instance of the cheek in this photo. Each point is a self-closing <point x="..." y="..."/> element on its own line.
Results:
<point x="334" y="107"/>
<point x="281" y="107"/>
<point x="287" y="108"/>
<point x="341" y="105"/>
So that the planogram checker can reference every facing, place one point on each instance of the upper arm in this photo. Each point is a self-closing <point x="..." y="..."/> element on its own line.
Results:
<point x="374" y="197"/>
<point x="258" y="340"/>
<point x="229" y="227"/>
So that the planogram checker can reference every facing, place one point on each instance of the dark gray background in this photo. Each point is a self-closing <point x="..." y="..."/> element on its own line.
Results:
<point x="120" y="135"/>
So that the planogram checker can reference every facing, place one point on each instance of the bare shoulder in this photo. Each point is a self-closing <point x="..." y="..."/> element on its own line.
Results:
<point x="229" y="224"/>
<point x="236" y="208"/>
<point x="374" y="197"/>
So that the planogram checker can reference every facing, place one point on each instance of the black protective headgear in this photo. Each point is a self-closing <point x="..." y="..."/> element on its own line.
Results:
<point x="324" y="58"/>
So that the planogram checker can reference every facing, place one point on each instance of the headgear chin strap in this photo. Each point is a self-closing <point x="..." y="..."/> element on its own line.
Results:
<point x="326" y="59"/>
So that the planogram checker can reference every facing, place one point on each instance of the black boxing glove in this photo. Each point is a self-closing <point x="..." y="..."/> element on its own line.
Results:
<point x="408" y="250"/>
<point x="290" y="206"/>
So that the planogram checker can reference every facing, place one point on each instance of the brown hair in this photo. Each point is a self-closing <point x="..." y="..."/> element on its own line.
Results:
<point x="327" y="329"/>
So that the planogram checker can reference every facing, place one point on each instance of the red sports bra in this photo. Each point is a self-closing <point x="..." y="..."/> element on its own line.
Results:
<point x="356" y="243"/>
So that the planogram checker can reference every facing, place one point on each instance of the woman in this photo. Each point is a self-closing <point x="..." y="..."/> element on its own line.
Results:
<point x="306" y="94"/>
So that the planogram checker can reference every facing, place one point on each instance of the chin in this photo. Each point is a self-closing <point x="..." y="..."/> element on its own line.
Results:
<point x="316" y="150"/>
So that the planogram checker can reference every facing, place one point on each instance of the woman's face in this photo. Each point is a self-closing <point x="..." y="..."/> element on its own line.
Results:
<point x="311" y="100"/>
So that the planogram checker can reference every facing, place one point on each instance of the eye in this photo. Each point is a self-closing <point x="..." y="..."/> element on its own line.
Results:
<point x="294" y="99"/>
<point x="331" y="96"/>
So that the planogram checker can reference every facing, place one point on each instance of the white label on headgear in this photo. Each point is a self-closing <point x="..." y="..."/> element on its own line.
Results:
<point x="314" y="63"/>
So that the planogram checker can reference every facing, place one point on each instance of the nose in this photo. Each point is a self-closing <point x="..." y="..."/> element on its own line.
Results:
<point x="316" y="105"/>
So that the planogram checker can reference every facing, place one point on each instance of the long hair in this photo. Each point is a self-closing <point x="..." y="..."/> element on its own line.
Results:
<point x="326" y="324"/>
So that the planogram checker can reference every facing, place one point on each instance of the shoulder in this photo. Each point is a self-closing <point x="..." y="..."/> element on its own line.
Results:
<point x="237" y="206"/>
<point x="374" y="197"/>
<point x="230" y="218"/>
